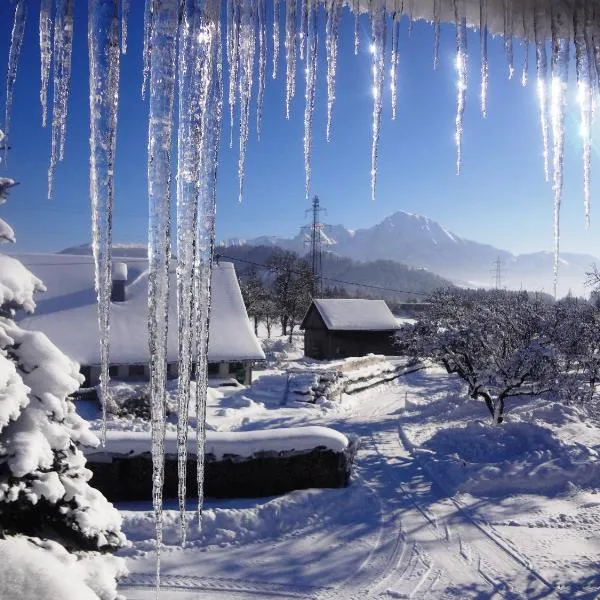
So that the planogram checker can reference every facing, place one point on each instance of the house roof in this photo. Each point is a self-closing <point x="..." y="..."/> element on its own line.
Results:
<point x="348" y="314"/>
<point x="67" y="312"/>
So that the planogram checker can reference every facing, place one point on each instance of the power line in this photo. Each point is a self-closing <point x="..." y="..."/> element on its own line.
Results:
<point x="332" y="279"/>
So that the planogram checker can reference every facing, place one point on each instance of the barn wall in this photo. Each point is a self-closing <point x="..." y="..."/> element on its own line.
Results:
<point x="323" y="344"/>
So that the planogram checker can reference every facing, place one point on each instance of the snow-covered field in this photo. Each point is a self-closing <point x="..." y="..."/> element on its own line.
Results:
<point x="441" y="504"/>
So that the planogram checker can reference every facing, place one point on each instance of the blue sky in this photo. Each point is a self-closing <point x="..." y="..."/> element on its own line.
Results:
<point x="500" y="198"/>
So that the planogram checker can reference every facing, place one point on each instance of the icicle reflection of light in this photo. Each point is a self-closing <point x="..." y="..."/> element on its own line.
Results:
<point x="461" y="72"/>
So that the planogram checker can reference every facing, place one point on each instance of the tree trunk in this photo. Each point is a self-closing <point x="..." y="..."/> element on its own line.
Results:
<point x="256" y="326"/>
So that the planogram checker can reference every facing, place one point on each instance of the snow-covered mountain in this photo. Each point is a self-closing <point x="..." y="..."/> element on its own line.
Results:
<point x="418" y="241"/>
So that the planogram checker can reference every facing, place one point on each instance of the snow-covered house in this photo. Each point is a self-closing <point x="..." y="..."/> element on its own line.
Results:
<point x="335" y="328"/>
<point x="67" y="313"/>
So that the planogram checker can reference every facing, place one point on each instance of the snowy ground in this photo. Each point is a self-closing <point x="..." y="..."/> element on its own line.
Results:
<point x="441" y="505"/>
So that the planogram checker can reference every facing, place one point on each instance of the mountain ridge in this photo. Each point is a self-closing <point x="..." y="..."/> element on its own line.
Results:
<point x="420" y="242"/>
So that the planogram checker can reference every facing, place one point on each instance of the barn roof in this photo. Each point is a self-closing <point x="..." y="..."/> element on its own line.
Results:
<point x="67" y="312"/>
<point x="355" y="314"/>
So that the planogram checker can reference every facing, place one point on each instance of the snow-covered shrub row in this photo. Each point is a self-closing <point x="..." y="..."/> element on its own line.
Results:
<point x="44" y="484"/>
<point x="510" y="344"/>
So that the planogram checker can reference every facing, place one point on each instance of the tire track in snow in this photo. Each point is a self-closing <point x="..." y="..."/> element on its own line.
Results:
<point x="508" y="573"/>
<point x="220" y="585"/>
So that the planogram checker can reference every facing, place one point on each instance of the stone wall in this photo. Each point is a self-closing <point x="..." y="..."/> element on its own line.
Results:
<point x="265" y="474"/>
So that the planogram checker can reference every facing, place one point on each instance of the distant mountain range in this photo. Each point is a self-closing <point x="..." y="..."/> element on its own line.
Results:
<point x="420" y="242"/>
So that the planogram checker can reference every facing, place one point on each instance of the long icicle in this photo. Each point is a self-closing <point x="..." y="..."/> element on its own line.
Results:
<point x="103" y="43"/>
<point x="147" y="52"/>
<point x="309" y="94"/>
<point x="508" y="37"/>
<point x="542" y="86"/>
<point x="276" y="36"/>
<point x="66" y="75"/>
<point x="187" y="175"/>
<point x="233" y="58"/>
<point x="585" y="91"/>
<point x="163" y="42"/>
<point x="485" y="75"/>
<point x="395" y="59"/>
<point x="125" y="7"/>
<point x="378" y="52"/>
<point x="303" y="33"/>
<point x="63" y="44"/>
<point x="436" y="33"/>
<point x="527" y="36"/>
<point x="45" y="54"/>
<point x="290" y="54"/>
<point x="560" y="73"/>
<point x="262" y="63"/>
<point x="196" y="56"/>
<point x="461" y="71"/>
<point x="331" y="45"/>
<point x="247" y="42"/>
<point x="16" y="43"/>
<point x="205" y="242"/>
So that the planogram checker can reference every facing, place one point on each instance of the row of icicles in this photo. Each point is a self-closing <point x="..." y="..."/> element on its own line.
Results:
<point x="182" y="48"/>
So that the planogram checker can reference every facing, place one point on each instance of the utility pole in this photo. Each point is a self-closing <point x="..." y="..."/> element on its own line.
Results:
<point x="497" y="272"/>
<point x="316" y="232"/>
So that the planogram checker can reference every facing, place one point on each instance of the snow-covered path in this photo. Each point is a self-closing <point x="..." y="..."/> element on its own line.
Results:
<point x="395" y="533"/>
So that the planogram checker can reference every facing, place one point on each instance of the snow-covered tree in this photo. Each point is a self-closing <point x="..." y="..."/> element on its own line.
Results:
<point x="44" y="486"/>
<point x="577" y="336"/>
<point x="500" y="343"/>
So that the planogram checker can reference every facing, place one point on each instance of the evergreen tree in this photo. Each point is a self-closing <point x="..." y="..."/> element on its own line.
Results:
<point x="44" y="486"/>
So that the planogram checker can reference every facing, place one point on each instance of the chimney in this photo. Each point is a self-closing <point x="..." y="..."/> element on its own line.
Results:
<point x="119" y="279"/>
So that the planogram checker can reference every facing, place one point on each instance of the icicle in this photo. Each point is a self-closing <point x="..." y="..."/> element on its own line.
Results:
<point x="148" y="17"/>
<point x="125" y="6"/>
<point x="246" y="57"/>
<point x="508" y="37"/>
<point x="461" y="70"/>
<point x="63" y="46"/>
<point x="436" y="33"/>
<point x="197" y="46"/>
<point x="276" y="42"/>
<point x="356" y="9"/>
<point x="233" y="57"/>
<point x="162" y="83"/>
<point x="483" y="33"/>
<point x="290" y="54"/>
<point x="378" y="52"/>
<point x="411" y="16"/>
<point x="542" y="88"/>
<point x="525" y="73"/>
<point x="395" y="60"/>
<point x="309" y="94"/>
<point x="103" y="42"/>
<point x="187" y="173"/>
<point x="560" y="73"/>
<point x="16" y="43"/>
<point x="303" y="34"/>
<point x="585" y="92"/>
<point x="262" y="62"/>
<point x="205" y="241"/>
<point x="45" y="54"/>
<point x="331" y="45"/>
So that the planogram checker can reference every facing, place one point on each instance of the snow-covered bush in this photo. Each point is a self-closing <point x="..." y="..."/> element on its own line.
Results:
<point x="44" y="485"/>
<point x="500" y="343"/>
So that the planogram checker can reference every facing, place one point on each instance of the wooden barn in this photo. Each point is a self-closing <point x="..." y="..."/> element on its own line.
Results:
<point x="347" y="327"/>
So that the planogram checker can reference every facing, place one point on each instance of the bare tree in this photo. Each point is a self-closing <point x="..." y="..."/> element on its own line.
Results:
<point x="498" y="342"/>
